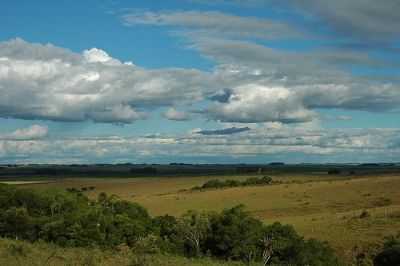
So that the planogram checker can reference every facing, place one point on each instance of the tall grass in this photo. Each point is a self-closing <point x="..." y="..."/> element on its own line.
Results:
<point x="21" y="253"/>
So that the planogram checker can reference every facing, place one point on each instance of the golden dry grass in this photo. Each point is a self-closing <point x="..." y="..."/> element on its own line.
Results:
<point x="28" y="182"/>
<point x="318" y="206"/>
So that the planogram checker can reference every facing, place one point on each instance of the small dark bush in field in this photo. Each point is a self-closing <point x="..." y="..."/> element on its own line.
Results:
<point x="252" y="181"/>
<point x="364" y="214"/>
<point x="214" y="183"/>
<point x="258" y="181"/>
<point x="232" y="183"/>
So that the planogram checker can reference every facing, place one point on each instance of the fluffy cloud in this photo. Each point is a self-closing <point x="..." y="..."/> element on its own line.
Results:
<point x="316" y="78"/>
<point x="295" y="83"/>
<point x="45" y="82"/>
<point x="173" y="114"/>
<point x="250" y="83"/>
<point x="253" y="103"/>
<point x="31" y="133"/>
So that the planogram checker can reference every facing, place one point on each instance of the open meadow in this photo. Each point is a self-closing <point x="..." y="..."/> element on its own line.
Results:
<point x="352" y="213"/>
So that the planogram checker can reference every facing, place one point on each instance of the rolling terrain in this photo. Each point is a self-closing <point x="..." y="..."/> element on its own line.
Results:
<point x="352" y="212"/>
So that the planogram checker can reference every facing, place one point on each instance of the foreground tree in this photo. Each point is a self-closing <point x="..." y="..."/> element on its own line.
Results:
<point x="390" y="255"/>
<point x="194" y="227"/>
<point x="235" y="235"/>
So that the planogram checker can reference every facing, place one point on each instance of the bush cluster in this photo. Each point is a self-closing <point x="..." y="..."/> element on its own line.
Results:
<point x="252" y="181"/>
<point x="390" y="254"/>
<point x="233" y="234"/>
<point x="71" y="219"/>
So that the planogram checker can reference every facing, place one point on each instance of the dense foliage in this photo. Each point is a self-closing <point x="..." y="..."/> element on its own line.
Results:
<point x="390" y="255"/>
<point x="71" y="219"/>
<point x="252" y="181"/>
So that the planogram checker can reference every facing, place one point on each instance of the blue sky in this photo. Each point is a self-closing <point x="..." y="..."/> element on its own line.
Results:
<point x="140" y="81"/>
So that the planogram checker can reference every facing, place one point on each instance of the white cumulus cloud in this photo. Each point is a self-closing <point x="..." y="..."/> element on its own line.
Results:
<point x="256" y="103"/>
<point x="45" y="82"/>
<point x="173" y="114"/>
<point x="30" y="133"/>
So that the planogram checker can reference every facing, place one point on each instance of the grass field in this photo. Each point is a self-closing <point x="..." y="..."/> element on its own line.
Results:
<point x="20" y="253"/>
<point x="24" y="182"/>
<point x="321" y="206"/>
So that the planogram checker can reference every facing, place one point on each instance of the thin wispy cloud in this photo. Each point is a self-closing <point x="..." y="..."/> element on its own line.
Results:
<point x="216" y="23"/>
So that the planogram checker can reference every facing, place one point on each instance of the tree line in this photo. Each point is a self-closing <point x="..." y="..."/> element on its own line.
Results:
<point x="252" y="181"/>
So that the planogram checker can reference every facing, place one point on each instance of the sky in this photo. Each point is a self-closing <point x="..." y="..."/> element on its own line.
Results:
<point x="199" y="81"/>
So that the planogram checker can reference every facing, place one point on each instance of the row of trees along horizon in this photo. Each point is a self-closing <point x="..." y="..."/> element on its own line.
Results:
<point x="70" y="219"/>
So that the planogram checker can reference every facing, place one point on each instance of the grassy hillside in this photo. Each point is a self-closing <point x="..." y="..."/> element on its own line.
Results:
<point x="325" y="207"/>
<point x="70" y="219"/>
<point x="20" y="253"/>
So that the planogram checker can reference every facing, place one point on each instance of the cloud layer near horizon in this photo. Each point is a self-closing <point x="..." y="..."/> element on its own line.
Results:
<point x="268" y="141"/>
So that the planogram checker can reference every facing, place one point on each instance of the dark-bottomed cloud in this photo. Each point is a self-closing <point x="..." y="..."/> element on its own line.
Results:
<point x="225" y="131"/>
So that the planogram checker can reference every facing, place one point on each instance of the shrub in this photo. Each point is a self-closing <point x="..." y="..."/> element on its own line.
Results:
<point x="390" y="254"/>
<point x="364" y="214"/>
<point x="234" y="234"/>
<point x="70" y="219"/>
<point x="214" y="183"/>
<point x="388" y="257"/>
<point x="252" y="181"/>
